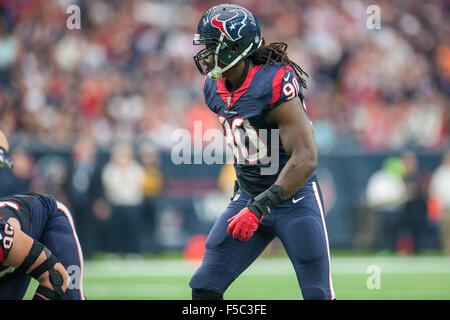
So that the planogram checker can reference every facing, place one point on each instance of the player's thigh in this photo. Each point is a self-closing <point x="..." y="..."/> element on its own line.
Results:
<point x="303" y="237"/>
<point x="226" y="258"/>
<point x="301" y="225"/>
<point x="303" y="234"/>
<point x="61" y="238"/>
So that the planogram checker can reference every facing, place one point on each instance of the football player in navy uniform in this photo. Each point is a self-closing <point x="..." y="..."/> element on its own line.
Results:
<point x="37" y="239"/>
<point x="254" y="88"/>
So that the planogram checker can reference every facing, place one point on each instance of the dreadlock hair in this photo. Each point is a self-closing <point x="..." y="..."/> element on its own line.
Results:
<point x="276" y="52"/>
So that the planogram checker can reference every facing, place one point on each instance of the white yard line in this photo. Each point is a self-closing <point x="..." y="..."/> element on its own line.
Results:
<point x="136" y="290"/>
<point x="271" y="266"/>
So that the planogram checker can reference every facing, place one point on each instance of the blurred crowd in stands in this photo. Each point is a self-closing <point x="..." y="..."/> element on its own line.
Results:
<point x="128" y="72"/>
<point x="127" y="77"/>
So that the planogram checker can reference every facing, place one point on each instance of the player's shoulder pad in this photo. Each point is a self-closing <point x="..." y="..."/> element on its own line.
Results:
<point x="280" y="84"/>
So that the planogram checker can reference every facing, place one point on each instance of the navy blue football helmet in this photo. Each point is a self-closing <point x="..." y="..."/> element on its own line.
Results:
<point x="230" y="33"/>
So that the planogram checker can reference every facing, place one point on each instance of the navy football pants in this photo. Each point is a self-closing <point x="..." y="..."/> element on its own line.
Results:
<point x="301" y="228"/>
<point x="52" y="225"/>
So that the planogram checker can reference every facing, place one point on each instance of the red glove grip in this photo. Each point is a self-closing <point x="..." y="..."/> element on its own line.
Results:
<point x="243" y="225"/>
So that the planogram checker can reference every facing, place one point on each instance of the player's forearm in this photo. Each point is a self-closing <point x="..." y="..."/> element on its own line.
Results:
<point x="23" y="252"/>
<point x="296" y="172"/>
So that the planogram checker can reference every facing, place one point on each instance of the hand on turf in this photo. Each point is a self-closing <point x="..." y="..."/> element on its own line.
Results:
<point x="4" y="160"/>
<point x="243" y="225"/>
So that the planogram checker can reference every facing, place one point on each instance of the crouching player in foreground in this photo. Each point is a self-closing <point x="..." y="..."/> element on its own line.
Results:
<point x="252" y="86"/>
<point x="37" y="239"/>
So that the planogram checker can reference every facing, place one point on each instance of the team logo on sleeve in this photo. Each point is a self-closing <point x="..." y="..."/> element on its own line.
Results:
<point x="231" y="27"/>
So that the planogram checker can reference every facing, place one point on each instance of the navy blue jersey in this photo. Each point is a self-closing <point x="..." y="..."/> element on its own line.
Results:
<point x="254" y="140"/>
<point x="48" y="221"/>
<point x="20" y="206"/>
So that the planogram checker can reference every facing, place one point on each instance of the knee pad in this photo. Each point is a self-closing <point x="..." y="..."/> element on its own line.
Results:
<point x="56" y="279"/>
<point x="200" y="294"/>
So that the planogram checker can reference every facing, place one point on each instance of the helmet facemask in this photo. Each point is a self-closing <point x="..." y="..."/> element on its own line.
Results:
<point x="210" y="49"/>
<point x="215" y="72"/>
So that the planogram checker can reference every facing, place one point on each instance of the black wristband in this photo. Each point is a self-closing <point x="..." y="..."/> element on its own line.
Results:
<point x="264" y="202"/>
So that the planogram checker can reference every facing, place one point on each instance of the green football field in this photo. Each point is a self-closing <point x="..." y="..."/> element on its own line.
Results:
<point x="364" y="278"/>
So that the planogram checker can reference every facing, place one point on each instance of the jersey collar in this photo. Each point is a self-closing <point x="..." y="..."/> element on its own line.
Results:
<point x="231" y="98"/>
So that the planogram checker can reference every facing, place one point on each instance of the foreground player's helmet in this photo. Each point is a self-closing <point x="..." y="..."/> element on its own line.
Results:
<point x="231" y="33"/>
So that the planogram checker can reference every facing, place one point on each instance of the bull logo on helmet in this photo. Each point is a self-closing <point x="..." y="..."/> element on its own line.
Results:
<point x="231" y="27"/>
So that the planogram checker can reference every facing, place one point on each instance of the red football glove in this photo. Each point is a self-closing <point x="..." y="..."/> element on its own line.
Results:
<point x="243" y="225"/>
